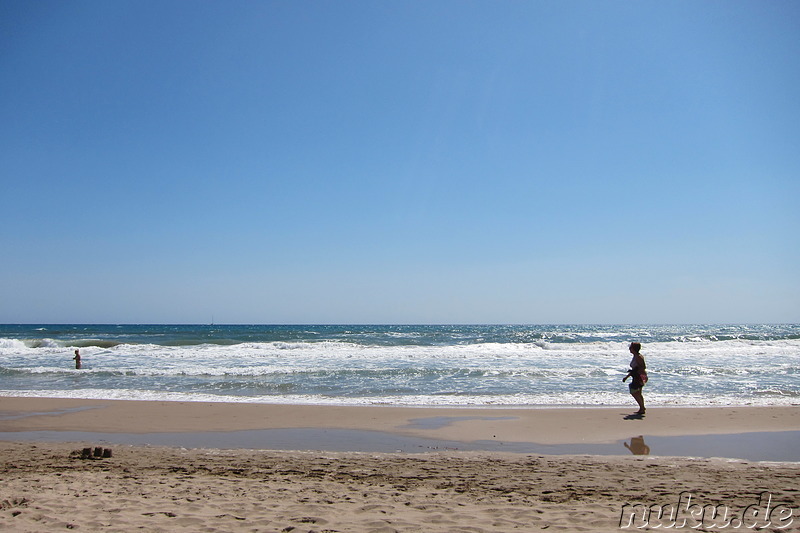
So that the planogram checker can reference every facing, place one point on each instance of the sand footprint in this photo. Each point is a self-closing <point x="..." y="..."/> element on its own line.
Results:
<point x="309" y="520"/>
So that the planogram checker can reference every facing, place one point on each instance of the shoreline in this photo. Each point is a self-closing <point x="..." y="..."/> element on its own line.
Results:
<point x="761" y="433"/>
<point x="549" y="425"/>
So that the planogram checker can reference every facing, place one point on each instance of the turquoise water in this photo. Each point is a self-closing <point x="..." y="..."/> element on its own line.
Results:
<point x="516" y="365"/>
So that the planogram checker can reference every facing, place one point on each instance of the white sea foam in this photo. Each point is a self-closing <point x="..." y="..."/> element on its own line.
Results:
<point x="12" y="346"/>
<point x="598" y="399"/>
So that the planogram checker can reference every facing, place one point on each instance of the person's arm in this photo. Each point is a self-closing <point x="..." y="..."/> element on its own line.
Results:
<point x="637" y="362"/>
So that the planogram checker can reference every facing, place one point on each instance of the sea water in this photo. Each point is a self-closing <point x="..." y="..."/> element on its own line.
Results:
<point x="494" y="365"/>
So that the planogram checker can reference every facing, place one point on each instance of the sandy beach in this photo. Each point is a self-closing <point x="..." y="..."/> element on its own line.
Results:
<point x="47" y="485"/>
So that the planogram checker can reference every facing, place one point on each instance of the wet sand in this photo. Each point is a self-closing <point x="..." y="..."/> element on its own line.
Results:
<point x="542" y="426"/>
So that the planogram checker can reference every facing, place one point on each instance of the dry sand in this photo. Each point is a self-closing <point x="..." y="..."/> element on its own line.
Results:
<point x="49" y="487"/>
<point x="45" y="488"/>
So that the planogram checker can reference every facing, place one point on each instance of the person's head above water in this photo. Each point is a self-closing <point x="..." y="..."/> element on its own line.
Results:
<point x="635" y="347"/>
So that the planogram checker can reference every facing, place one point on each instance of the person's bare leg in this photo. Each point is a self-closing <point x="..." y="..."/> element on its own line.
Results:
<point x="640" y="400"/>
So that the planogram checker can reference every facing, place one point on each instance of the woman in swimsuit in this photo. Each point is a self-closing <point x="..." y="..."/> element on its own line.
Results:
<point x="638" y="372"/>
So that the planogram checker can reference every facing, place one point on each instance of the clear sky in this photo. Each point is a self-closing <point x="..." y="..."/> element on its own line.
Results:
<point x="420" y="161"/>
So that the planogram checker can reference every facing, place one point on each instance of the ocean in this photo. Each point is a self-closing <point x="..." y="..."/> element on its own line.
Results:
<point x="459" y="365"/>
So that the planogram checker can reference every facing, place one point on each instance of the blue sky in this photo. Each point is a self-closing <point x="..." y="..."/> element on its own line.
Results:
<point x="399" y="162"/>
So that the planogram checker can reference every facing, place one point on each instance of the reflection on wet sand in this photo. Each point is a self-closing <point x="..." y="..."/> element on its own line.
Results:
<point x="637" y="446"/>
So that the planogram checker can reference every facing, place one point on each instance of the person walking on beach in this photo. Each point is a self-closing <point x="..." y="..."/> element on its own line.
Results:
<point x="77" y="360"/>
<point x="638" y="372"/>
